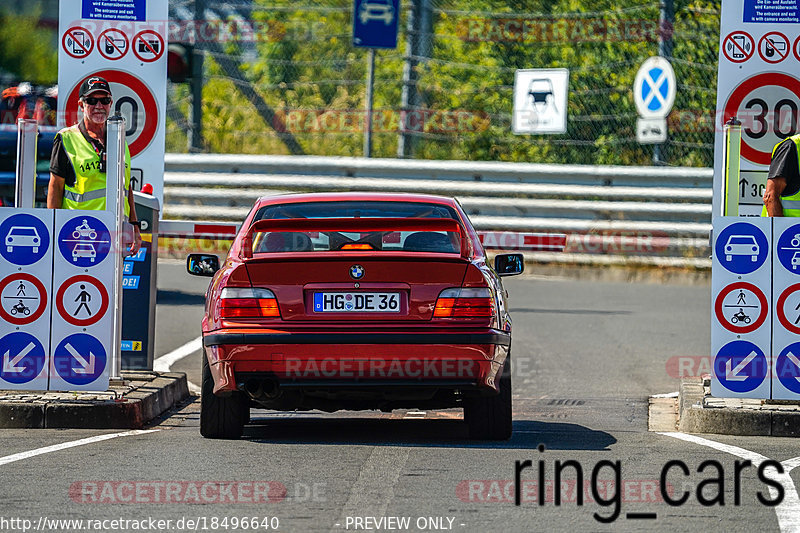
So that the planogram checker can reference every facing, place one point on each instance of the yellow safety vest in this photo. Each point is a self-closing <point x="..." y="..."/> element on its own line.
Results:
<point x="89" y="190"/>
<point x="791" y="204"/>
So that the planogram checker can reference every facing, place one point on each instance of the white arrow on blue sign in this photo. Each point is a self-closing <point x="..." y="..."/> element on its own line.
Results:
<point x="375" y="23"/>
<point x="787" y="367"/>
<point x="79" y="359"/>
<point x="23" y="357"/>
<point x="740" y="366"/>
<point x="654" y="88"/>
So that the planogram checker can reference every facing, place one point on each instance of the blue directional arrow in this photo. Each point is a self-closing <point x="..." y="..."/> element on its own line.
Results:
<point x="23" y="357"/>
<point x="79" y="359"/>
<point x="787" y="367"/>
<point x="740" y="366"/>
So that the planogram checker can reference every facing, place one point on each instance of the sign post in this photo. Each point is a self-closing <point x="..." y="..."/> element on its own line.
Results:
<point x="25" y="192"/>
<point x="115" y="201"/>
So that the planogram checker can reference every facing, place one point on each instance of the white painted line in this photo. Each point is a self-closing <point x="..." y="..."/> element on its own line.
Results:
<point x="666" y="395"/>
<point x="788" y="511"/>
<point x="165" y="362"/>
<point x="64" y="445"/>
<point x="372" y="492"/>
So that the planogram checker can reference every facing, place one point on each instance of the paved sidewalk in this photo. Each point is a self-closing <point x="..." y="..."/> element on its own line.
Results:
<point x="144" y="396"/>
<point x="698" y="412"/>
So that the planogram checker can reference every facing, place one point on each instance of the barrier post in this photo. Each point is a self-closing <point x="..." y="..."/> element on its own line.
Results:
<point x="25" y="190"/>
<point x="731" y="162"/>
<point x="115" y="201"/>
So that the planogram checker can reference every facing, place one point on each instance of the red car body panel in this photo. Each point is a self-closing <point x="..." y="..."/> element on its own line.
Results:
<point x="362" y="360"/>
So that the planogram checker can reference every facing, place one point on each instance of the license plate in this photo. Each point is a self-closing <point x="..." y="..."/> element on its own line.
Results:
<point x="357" y="302"/>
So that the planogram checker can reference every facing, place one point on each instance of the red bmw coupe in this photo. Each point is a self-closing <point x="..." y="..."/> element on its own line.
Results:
<point x="356" y="301"/>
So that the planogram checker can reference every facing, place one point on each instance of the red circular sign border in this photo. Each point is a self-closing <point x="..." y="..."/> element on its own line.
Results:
<point x="64" y="45"/>
<point x="100" y="48"/>
<point x="737" y="96"/>
<point x="730" y="288"/>
<point x="42" y="300"/>
<point x="796" y="48"/>
<point x="85" y="321"/>
<point x="785" y="38"/>
<point x="752" y="44"/>
<point x="161" y="40"/>
<point x="128" y="79"/>
<point x="779" y="307"/>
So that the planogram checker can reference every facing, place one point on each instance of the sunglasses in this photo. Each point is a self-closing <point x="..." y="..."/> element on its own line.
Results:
<point x="91" y="100"/>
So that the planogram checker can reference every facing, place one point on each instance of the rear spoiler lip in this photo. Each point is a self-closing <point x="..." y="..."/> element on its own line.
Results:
<point x="352" y="224"/>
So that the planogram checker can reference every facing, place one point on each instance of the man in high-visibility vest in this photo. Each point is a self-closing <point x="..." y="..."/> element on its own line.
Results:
<point x="78" y="159"/>
<point x="782" y="195"/>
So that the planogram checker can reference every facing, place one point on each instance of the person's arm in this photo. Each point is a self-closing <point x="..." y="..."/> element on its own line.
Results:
<point x="772" y="196"/>
<point x="55" y="192"/>
<point x="137" y="236"/>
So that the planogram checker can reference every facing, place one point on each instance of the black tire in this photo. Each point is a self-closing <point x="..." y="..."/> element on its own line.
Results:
<point x="490" y="418"/>
<point x="220" y="418"/>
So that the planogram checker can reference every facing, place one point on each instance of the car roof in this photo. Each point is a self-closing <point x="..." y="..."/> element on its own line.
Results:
<point x="355" y="197"/>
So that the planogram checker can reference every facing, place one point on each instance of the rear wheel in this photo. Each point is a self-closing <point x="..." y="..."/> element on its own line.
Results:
<point x="490" y="418"/>
<point x="221" y="418"/>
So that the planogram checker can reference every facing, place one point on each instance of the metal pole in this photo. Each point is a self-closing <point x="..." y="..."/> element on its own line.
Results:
<point x="665" y="25"/>
<point x="368" y="118"/>
<point x="25" y="190"/>
<point x="115" y="201"/>
<point x="731" y="163"/>
<point x="408" y="97"/>
<point x="196" y="109"/>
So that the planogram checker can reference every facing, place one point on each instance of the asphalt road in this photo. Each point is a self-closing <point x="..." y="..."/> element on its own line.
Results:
<point x="587" y="355"/>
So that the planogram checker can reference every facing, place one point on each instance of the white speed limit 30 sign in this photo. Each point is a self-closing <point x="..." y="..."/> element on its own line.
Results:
<point x="123" y="42"/>
<point x="758" y="83"/>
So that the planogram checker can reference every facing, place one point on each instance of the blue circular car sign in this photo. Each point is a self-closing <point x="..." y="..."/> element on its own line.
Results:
<point x="84" y="241"/>
<point x="789" y="249"/>
<point x="741" y="366"/>
<point x="79" y="359"/>
<point x="23" y="357"/>
<point x="26" y="239"/>
<point x="741" y="248"/>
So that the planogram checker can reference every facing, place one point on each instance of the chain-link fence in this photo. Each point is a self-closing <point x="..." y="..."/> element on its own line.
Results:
<point x="282" y="77"/>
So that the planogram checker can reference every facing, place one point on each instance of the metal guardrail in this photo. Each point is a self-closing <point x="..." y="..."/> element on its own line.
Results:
<point x="610" y="214"/>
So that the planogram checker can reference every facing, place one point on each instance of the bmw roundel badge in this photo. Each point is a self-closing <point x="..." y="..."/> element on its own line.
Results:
<point x="356" y="272"/>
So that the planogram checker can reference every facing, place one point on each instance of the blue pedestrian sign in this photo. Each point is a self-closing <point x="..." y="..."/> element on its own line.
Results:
<point x="654" y="88"/>
<point x="23" y="358"/>
<point x="741" y="248"/>
<point x="740" y="366"/>
<point x="375" y="23"/>
<point x="79" y="359"/>
<point x="788" y="249"/>
<point x="787" y="367"/>
<point x="84" y="241"/>
<point x="26" y="239"/>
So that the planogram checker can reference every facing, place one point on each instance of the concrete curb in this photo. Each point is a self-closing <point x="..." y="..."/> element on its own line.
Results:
<point x="148" y="395"/>
<point x="763" y="420"/>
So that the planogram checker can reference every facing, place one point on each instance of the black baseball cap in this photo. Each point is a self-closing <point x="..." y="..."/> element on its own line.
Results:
<point x="94" y="83"/>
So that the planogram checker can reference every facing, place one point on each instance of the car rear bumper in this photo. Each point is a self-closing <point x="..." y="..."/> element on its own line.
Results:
<point x="358" y="361"/>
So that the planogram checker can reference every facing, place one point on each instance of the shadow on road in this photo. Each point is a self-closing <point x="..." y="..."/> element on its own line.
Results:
<point x="168" y="297"/>
<point x="528" y="434"/>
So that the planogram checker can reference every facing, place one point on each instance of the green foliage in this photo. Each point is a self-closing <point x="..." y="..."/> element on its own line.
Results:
<point x="26" y="49"/>
<point x="304" y="67"/>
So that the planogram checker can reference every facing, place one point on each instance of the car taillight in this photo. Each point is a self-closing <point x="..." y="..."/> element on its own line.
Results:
<point x="464" y="303"/>
<point x="248" y="303"/>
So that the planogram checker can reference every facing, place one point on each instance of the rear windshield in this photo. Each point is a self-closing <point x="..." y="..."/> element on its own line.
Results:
<point x="311" y="241"/>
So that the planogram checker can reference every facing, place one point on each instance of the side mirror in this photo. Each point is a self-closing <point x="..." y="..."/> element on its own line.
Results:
<point x="202" y="264"/>
<point x="509" y="264"/>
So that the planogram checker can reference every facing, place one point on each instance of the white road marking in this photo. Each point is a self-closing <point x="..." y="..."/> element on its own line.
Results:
<point x="165" y="362"/>
<point x="788" y="511"/>
<point x="374" y="488"/>
<point x="64" y="445"/>
<point x="666" y="395"/>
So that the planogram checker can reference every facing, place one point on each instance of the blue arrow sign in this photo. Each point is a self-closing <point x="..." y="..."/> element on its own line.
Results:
<point x="23" y="357"/>
<point x="84" y="241"/>
<point x="741" y="248"/>
<point x="26" y="239"/>
<point x="787" y="367"/>
<point x="740" y="366"/>
<point x="375" y="23"/>
<point x="79" y="359"/>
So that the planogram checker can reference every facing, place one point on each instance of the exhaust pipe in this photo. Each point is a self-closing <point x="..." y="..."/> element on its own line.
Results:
<point x="262" y="388"/>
